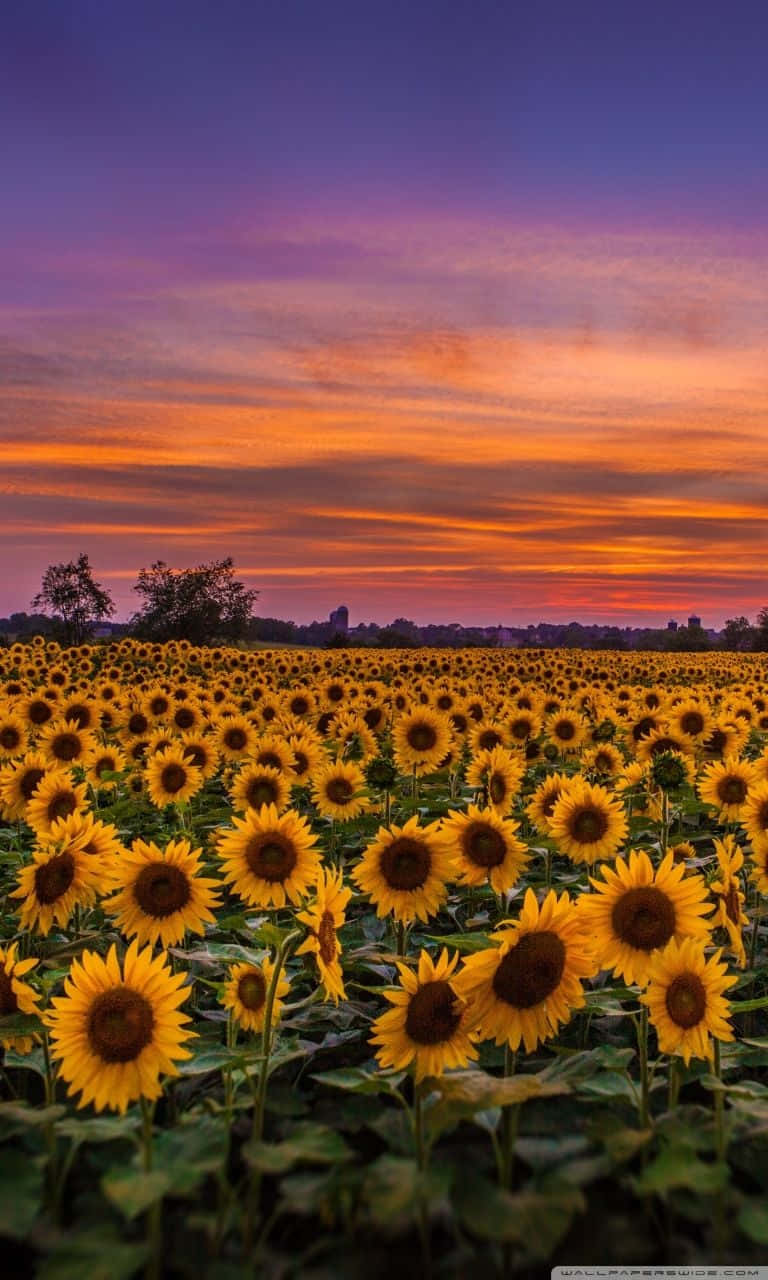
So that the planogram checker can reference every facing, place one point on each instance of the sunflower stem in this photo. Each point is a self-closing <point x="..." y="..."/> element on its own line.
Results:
<point x="509" y="1123"/>
<point x="153" y="1215"/>
<point x="400" y="937"/>
<point x="260" y="1095"/>
<point x="642" y="1051"/>
<point x="720" y="1155"/>
<point x="674" y="1082"/>
<point x="421" y="1149"/>
<point x="50" y="1136"/>
<point x="414" y="785"/>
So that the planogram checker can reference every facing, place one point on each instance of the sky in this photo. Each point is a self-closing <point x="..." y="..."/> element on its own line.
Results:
<point x="454" y="312"/>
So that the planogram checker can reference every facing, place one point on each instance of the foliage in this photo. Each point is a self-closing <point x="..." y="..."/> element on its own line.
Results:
<point x="71" y="592"/>
<point x="201" y="605"/>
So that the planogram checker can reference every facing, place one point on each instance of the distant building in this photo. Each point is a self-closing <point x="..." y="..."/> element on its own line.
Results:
<point x="671" y="625"/>
<point x="694" y="620"/>
<point x="339" y="619"/>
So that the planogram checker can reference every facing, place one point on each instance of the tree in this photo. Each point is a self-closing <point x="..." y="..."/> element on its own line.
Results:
<point x="737" y="634"/>
<point x="70" y="591"/>
<point x="202" y="605"/>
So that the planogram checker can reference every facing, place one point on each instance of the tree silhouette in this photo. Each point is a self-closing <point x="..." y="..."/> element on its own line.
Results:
<point x="202" y="605"/>
<point x="70" y="591"/>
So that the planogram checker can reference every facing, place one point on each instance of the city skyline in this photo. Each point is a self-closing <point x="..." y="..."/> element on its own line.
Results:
<point x="450" y="320"/>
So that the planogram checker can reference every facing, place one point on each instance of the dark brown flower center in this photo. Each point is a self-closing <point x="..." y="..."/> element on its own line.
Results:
<point x="9" y="737"/>
<point x="405" y="863"/>
<point x="120" y="1025"/>
<point x="184" y="718"/>
<point x="587" y="825"/>
<point x="299" y="705"/>
<point x="66" y="746"/>
<point x="488" y="739"/>
<point x="421" y="736"/>
<point x="300" y="763"/>
<point x="692" y="722"/>
<point x="326" y="936"/>
<point x="373" y="716"/>
<point x="565" y="730"/>
<point x="252" y="991"/>
<point x="270" y="759"/>
<point x="29" y="780"/>
<point x="531" y="970"/>
<point x="196" y="755"/>
<point x="731" y="790"/>
<point x="497" y="788"/>
<point x="104" y="764"/>
<point x="80" y="714"/>
<point x="271" y="857"/>
<point x="644" y="726"/>
<point x="717" y="741"/>
<point x="173" y="778"/>
<point x="8" y="1002"/>
<point x="335" y="692"/>
<point x="161" y="889"/>
<point x="39" y="711"/>
<point x="53" y="878"/>
<point x="432" y="1016"/>
<point x="339" y="790"/>
<point x="483" y="845"/>
<point x="520" y="729"/>
<point x="549" y="802"/>
<point x="235" y="739"/>
<point x="644" y="918"/>
<point x="138" y="723"/>
<point x="61" y="805"/>
<point x="762" y="815"/>
<point x="159" y="705"/>
<point x="261" y="791"/>
<point x="686" y="1000"/>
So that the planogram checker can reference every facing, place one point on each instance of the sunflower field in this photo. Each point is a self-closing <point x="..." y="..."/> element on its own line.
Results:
<point x="324" y="964"/>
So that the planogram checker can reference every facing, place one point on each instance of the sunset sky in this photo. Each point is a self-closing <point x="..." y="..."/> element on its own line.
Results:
<point x="453" y="311"/>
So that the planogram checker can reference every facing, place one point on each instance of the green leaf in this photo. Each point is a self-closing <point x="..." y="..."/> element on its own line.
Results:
<point x="98" y="1128"/>
<point x="534" y="1218"/>
<point x="479" y="1090"/>
<point x="17" y="1113"/>
<point x="677" y="1167"/>
<point x="608" y="1084"/>
<point x="21" y="1191"/>
<point x="95" y="1255"/>
<point x="21" y="1024"/>
<point x="394" y="1187"/>
<point x="188" y="1153"/>
<point x="753" y="1219"/>
<point x="308" y="1143"/>
<point x="132" y="1190"/>
<point x="357" y="1080"/>
<point x="463" y="942"/>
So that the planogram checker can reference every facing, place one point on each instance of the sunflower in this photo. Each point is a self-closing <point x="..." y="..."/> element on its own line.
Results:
<point x="421" y="739"/>
<point x="100" y="761"/>
<point x="116" y="1029"/>
<point x="728" y="896"/>
<point x="542" y="803"/>
<point x="307" y="755"/>
<point x="727" y="785"/>
<point x="588" y="824"/>
<point x="200" y="751"/>
<point x="527" y="986"/>
<point x="255" y="785"/>
<point x="37" y="709"/>
<point x="604" y="759"/>
<point x="59" y="878"/>
<point x="691" y="718"/>
<point x="86" y="834"/>
<point x="754" y="817"/>
<point x="567" y="730"/>
<point x="662" y="740"/>
<point x="16" y="996"/>
<point x="338" y="790"/>
<point x="488" y="734"/>
<point x="235" y="737"/>
<point x="634" y="911"/>
<point x="13" y="735"/>
<point x="685" y="999"/>
<point x="55" y="796"/>
<point x="406" y="871"/>
<point x="682" y="851"/>
<point x="724" y="738"/>
<point x="269" y="858"/>
<point x="246" y="994"/>
<point x="64" y="742"/>
<point x="273" y="750"/>
<point x="172" y="778"/>
<point x="354" y="737"/>
<point x="485" y="848"/>
<point x="161" y="894"/>
<point x="18" y="783"/>
<point x="498" y="773"/>
<point x="430" y="1025"/>
<point x="323" y="918"/>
